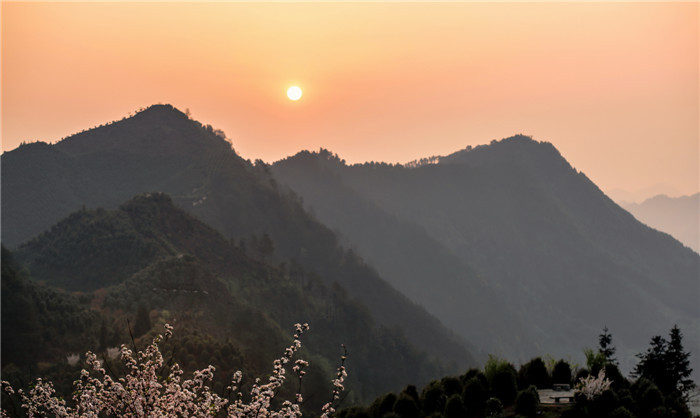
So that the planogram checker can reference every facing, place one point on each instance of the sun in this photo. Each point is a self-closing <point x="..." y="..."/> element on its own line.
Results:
<point x="294" y="93"/>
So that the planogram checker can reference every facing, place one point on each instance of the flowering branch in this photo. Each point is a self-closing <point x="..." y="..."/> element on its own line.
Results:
<point x="592" y="387"/>
<point x="143" y="392"/>
<point x="329" y="408"/>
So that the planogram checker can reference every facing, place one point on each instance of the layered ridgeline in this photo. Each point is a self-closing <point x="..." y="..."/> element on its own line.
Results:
<point x="411" y="259"/>
<point x="536" y="233"/>
<point x="677" y="216"/>
<point x="162" y="150"/>
<point x="229" y="305"/>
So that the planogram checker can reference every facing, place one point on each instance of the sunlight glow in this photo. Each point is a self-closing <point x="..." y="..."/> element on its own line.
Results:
<point x="294" y="93"/>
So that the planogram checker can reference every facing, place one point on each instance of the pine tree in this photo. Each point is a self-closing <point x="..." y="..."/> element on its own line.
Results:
<point x="678" y="363"/>
<point x="667" y="364"/>
<point x="652" y="364"/>
<point x="605" y="346"/>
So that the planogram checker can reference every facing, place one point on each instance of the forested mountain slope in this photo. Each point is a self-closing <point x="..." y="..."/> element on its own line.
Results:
<point x="215" y="293"/>
<point x="559" y="253"/>
<point x="412" y="260"/>
<point x="161" y="150"/>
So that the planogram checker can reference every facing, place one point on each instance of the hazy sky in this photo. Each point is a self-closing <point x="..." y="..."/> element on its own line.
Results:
<point x="613" y="86"/>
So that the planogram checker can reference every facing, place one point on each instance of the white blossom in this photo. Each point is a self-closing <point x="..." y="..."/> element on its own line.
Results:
<point x="592" y="387"/>
<point x="142" y="392"/>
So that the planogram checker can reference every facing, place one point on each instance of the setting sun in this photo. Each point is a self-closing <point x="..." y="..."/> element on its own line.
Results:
<point x="470" y="193"/>
<point x="294" y="93"/>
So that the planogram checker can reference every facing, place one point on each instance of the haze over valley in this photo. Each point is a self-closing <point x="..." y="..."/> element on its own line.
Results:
<point x="500" y="249"/>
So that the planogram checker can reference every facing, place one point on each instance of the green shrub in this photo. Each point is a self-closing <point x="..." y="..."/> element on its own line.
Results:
<point x="526" y="403"/>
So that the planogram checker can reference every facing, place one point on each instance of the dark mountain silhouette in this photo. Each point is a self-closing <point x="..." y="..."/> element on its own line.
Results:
<point x="414" y="262"/>
<point x="187" y="273"/>
<point x="162" y="150"/>
<point x="678" y="216"/>
<point x="565" y="258"/>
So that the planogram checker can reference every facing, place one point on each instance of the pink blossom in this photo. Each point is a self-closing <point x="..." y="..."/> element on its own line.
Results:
<point x="141" y="392"/>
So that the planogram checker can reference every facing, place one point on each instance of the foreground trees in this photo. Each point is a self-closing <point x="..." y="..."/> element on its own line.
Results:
<point x="667" y="364"/>
<point x="152" y="387"/>
<point x="660" y="389"/>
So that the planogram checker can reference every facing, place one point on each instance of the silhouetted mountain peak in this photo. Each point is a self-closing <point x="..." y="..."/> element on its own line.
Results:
<point x="518" y="155"/>
<point x="515" y="148"/>
<point x="523" y="144"/>
<point x="531" y="227"/>
<point x="323" y="159"/>
<point x="161" y="112"/>
<point x="322" y="156"/>
<point x="156" y="130"/>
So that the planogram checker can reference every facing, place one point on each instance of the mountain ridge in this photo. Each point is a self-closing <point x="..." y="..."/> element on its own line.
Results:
<point x="235" y="197"/>
<point x="536" y="230"/>
<point x="197" y="278"/>
<point x="677" y="216"/>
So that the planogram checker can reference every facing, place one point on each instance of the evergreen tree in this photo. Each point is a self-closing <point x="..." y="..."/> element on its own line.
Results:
<point x="666" y="364"/>
<point x="605" y="346"/>
<point x="678" y="363"/>
<point x="652" y="363"/>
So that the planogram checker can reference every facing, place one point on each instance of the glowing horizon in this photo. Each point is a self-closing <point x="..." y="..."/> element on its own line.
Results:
<point x="613" y="86"/>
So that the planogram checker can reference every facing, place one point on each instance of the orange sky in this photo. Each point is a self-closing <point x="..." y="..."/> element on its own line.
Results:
<point x="613" y="86"/>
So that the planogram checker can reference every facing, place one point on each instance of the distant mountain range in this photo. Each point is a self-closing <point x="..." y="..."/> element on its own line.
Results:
<point x="678" y="216"/>
<point x="622" y="197"/>
<point x="511" y="219"/>
<point x="160" y="150"/>
<point x="503" y="248"/>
